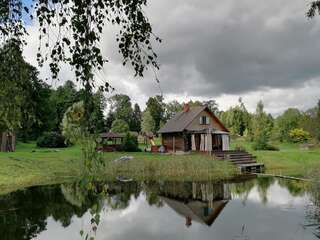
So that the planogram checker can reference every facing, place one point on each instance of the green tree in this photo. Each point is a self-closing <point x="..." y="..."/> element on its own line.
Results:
<point x="96" y="118"/>
<point x="40" y="106"/>
<point x="120" y="126"/>
<point x="121" y="107"/>
<point x="63" y="98"/>
<point x="262" y="127"/>
<point x="81" y="25"/>
<point x="16" y="80"/>
<point x="238" y="120"/>
<point x="310" y="121"/>
<point x="136" y="119"/>
<point x="148" y="123"/>
<point x="289" y="120"/>
<point x="171" y="108"/>
<point x="212" y="105"/>
<point x="298" y="135"/>
<point x="156" y="108"/>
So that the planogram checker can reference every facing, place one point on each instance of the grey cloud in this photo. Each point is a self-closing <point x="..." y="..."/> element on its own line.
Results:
<point x="214" y="47"/>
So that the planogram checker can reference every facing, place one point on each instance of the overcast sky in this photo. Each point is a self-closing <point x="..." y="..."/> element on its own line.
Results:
<point x="222" y="50"/>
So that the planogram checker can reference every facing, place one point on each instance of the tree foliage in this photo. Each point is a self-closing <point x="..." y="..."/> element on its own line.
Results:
<point x="238" y="120"/>
<point x="14" y="78"/>
<point x="288" y="121"/>
<point x="120" y="126"/>
<point x="171" y="108"/>
<point x="136" y="119"/>
<point x="156" y="108"/>
<point x="79" y="26"/>
<point x="262" y="127"/>
<point x="148" y="124"/>
<point x="298" y="135"/>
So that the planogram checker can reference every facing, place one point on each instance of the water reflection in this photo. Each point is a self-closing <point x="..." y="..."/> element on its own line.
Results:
<point x="263" y="208"/>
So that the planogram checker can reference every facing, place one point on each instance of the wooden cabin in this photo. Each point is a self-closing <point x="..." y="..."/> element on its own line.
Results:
<point x="195" y="129"/>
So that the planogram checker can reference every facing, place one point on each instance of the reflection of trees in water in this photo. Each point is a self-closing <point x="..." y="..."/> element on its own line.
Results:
<point x="263" y="184"/>
<point x="295" y="188"/>
<point x="23" y="214"/>
<point x="242" y="190"/>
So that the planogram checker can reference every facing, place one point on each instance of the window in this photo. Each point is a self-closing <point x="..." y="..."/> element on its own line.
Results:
<point x="204" y="120"/>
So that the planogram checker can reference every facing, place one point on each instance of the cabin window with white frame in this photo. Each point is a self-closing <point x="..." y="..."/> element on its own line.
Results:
<point x="204" y="120"/>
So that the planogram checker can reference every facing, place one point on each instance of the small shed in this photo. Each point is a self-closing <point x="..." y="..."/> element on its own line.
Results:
<point x="111" y="141"/>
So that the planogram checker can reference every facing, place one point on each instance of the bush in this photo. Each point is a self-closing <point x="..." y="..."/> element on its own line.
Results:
<point x="130" y="143"/>
<point x="51" y="140"/>
<point x="268" y="147"/>
<point x="298" y="135"/>
<point x="119" y="126"/>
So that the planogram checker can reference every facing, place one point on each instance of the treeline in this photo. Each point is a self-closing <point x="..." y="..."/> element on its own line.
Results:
<point x="259" y="127"/>
<point x="293" y="125"/>
<point x="31" y="108"/>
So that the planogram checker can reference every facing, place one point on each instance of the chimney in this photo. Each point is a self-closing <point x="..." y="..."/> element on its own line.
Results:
<point x="186" y="107"/>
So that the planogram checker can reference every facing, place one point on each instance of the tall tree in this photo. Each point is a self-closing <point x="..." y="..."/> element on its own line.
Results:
<point x="212" y="105"/>
<point x="262" y="127"/>
<point x="289" y="120"/>
<point x="156" y="108"/>
<point x="171" y="108"/>
<point x="135" y="122"/>
<point x="121" y="107"/>
<point x="97" y="115"/>
<point x="63" y="98"/>
<point x="148" y="123"/>
<point x="15" y="75"/>
<point x="238" y="119"/>
<point x="40" y="105"/>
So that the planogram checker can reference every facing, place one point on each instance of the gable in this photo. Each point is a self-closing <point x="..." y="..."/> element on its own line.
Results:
<point x="190" y="120"/>
<point x="197" y="125"/>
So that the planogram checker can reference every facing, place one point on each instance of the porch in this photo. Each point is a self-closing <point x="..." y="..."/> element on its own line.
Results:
<point x="207" y="141"/>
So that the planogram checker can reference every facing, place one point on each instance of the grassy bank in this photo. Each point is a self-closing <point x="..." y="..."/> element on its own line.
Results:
<point x="289" y="161"/>
<point x="30" y="166"/>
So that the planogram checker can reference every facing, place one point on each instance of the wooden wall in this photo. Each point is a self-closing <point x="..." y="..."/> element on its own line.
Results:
<point x="173" y="140"/>
<point x="196" y="126"/>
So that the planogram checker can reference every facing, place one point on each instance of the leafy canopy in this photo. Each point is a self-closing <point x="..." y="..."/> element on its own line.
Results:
<point x="78" y="27"/>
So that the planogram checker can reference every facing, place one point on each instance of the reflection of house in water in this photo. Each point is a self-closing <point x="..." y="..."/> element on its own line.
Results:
<point x="200" y="202"/>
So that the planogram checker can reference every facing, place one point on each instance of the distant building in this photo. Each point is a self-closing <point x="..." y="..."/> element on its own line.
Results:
<point x="195" y="129"/>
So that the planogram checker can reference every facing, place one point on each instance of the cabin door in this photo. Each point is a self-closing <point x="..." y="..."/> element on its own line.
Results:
<point x="216" y="142"/>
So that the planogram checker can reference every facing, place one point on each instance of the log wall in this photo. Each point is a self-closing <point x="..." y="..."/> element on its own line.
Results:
<point x="173" y="142"/>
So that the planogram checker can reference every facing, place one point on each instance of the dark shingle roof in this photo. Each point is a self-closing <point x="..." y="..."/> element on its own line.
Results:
<point x="181" y="120"/>
<point x="111" y="135"/>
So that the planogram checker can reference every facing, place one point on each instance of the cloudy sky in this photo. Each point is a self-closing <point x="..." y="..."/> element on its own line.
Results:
<point x="222" y="50"/>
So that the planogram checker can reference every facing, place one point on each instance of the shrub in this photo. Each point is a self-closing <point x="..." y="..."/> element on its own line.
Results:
<point x="51" y="140"/>
<point x="130" y="143"/>
<point x="119" y="126"/>
<point x="298" y="135"/>
<point x="265" y="146"/>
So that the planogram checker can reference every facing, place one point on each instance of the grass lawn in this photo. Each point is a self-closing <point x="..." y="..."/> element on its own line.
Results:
<point x="30" y="166"/>
<point x="289" y="161"/>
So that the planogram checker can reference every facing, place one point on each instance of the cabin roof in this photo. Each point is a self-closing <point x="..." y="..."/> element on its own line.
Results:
<point x="111" y="135"/>
<point x="182" y="119"/>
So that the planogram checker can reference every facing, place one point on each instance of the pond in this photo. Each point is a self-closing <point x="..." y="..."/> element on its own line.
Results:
<point x="260" y="208"/>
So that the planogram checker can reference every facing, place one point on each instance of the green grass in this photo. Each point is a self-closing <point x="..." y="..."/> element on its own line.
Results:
<point x="289" y="161"/>
<point x="30" y="166"/>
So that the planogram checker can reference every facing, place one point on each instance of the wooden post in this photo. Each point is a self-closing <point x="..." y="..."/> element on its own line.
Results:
<point x="173" y="144"/>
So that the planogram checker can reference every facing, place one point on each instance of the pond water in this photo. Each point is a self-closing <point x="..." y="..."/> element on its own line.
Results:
<point x="262" y="208"/>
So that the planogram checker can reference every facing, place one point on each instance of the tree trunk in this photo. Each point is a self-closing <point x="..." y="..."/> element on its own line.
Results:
<point x="8" y="142"/>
